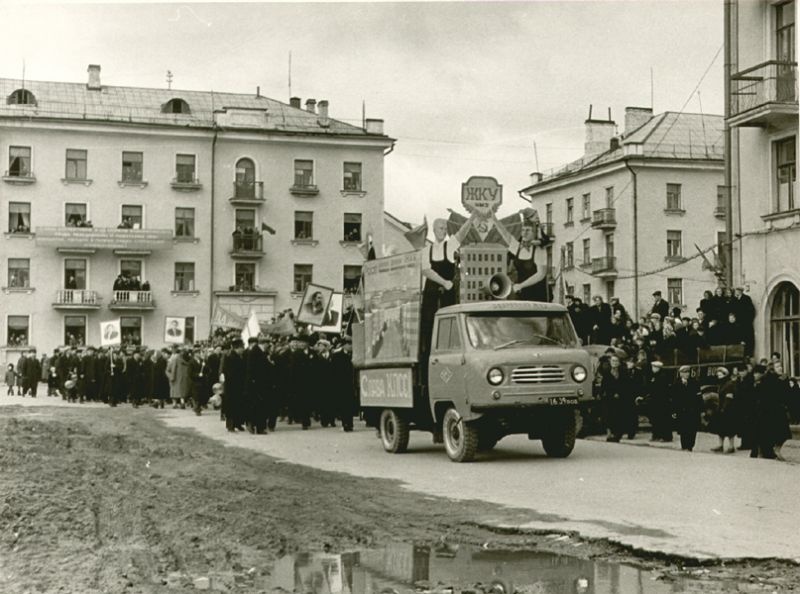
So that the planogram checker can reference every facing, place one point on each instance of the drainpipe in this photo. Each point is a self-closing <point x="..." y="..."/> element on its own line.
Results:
<point x="727" y="149"/>
<point x="213" y="186"/>
<point x="390" y="149"/>
<point x="635" y="240"/>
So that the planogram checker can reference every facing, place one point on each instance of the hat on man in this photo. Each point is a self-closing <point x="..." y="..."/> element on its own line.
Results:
<point x="656" y="293"/>
<point x="655" y="316"/>
<point x="237" y="343"/>
<point x="684" y="368"/>
<point x="252" y="340"/>
<point x="657" y="364"/>
<point x="723" y="370"/>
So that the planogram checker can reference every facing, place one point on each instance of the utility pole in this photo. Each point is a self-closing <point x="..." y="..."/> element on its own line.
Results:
<point x="727" y="150"/>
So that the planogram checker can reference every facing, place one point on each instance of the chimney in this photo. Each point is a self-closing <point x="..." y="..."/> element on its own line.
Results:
<point x="295" y="102"/>
<point x="598" y="136"/>
<point x="323" y="113"/>
<point x="635" y="117"/>
<point x="536" y="177"/>
<point x="374" y="126"/>
<point x="94" y="77"/>
<point x="311" y="105"/>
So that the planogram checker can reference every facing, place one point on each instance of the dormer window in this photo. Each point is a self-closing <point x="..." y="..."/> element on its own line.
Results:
<point x="176" y="106"/>
<point x="21" y="97"/>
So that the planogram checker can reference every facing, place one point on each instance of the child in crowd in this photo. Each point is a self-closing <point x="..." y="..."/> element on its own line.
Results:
<point x="11" y="379"/>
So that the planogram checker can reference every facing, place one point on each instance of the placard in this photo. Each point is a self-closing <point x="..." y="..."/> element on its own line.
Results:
<point x="332" y="321"/>
<point x="316" y="300"/>
<point x="175" y="330"/>
<point x="110" y="333"/>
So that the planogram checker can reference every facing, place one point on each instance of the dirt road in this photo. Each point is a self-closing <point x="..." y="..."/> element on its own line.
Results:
<point x="111" y="500"/>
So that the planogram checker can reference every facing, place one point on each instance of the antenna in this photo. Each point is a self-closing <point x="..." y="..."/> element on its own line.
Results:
<point x="169" y="79"/>
<point x="536" y="156"/>
<point x="590" y="111"/>
<point x="703" y="122"/>
<point x="23" y="73"/>
<point x="290" y="73"/>
<point x="651" y="88"/>
<point x="363" y="113"/>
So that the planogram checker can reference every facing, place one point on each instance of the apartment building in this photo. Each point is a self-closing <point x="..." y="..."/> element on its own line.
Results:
<point x="627" y="215"/>
<point x="763" y="118"/>
<point x="139" y="204"/>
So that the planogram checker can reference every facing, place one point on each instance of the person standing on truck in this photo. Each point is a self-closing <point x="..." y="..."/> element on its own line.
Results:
<point x="439" y="271"/>
<point x="531" y="282"/>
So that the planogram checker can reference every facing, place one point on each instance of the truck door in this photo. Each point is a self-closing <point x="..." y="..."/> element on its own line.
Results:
<point x="446" y="366"/>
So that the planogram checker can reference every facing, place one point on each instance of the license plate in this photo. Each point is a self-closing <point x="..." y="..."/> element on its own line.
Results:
<point x="562" y="401"/>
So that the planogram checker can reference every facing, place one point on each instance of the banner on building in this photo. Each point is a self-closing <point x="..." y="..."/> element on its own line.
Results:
<point x="316" y="301"/>
<point x="111" y="333"/>
<point x="175" y="330"/>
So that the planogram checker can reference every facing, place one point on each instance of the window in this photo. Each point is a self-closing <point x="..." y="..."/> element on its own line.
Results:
<point x="785" y="326"/>
<point x="19" y="273"/>
<point x="549" y="251"/>
<point x="587" y="253"/>
<point x="352" y="226"/>
<point x="176" y="106"/>
<point x="75" y="330"/>
<point x="184" y="276"/>
<point x="131" y="269"/>
<point x="570" y="209"/>
<point x="75" y="214"/>
<point x="570" y="289"/>
<point x="245" y="184"/>
<point x="245" y="276"/>
<point x="19" y="161"/>
<point x="721" y="254"/>
<point x="17" y="331"/>
<point x="570" y="255"/>
<point x="721" y="196"/>
<point x="587" y="293"/>
<point x="303" y="225"/>
<point x="675" y="291"/>
<point x="75" y="274"/>
<point x="447" y="336"/>
<point x="609" y="237"/>
<point x="185" y="169"/>
<point x="674" y="248"/>
<point x="19" y="217"/>
<point x="131" y="330"/>
<point x="303" y="173"/>
<point x="132" y="166"/>
<point x="352" y="177"/>
<point x="21" y="97"/>
<point x="609" y="290"/>
<point x="784" y="32"/>
<point x="184" y="222"/>
<point x="786" y="165"/>
<point x="131" y="216"/>
<point x="673" y="196"/>
<point x="587" y="207"/>
<point x="610" y="197"/>
<point x="188" y="331"/>
<point x="548" y="212"/>
<point x="302" y="276"/>
<point x="351" y="279"/>
<point x="76" y="164"/>
<point x="245" y="220"/>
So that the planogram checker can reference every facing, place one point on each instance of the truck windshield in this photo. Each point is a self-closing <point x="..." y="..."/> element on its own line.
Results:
<point x="493" y="330"/>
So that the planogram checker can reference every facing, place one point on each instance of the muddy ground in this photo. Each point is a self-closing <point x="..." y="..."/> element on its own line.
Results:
<point x="110" y="500"/>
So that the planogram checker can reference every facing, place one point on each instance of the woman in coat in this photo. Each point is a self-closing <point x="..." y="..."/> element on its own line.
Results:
<point x="723" y="421"/>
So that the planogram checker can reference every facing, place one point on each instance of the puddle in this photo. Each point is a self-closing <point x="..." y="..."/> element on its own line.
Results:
<point x="404" y="568"/>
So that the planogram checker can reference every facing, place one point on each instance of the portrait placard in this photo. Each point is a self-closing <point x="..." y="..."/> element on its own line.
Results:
<point x="316" y="300"/>
<point x="174" y="330"/>
<point x="110" y="333"/>
<point x="332" y="322"/>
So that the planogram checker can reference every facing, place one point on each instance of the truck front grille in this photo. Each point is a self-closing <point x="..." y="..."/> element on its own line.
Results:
<point x="540" y="374"/>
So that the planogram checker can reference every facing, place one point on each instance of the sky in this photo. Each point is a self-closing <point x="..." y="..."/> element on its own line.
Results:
<point x="466" y="88"/>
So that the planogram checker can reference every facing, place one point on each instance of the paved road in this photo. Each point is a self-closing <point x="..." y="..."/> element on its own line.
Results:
<point x="697" y="504"/>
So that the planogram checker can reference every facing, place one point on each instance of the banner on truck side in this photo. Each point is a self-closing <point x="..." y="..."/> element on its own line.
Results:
<point x="389" y="388"/>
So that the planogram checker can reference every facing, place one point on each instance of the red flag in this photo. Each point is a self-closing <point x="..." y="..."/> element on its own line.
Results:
<point x="418" y="235"/>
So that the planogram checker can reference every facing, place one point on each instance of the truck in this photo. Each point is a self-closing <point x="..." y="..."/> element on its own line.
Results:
<point x="493" y="367"/>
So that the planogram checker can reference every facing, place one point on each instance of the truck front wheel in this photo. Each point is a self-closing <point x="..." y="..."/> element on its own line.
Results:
<point x="394" y="432"/>
<point x="559" y="440"/>
<point x="460" y="437"/>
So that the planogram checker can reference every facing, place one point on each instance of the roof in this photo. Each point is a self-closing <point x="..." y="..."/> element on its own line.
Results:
<point x="393" y="219"/>
<point x="669" y="135"/>
<point x="138" y="105"/>
<point x="500" y="306"/>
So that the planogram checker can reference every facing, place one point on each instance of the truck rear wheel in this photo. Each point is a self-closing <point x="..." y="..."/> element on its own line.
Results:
<point x="460" y="437"/>
<point x="559" y="440"/>
<point x="394" y="432"/>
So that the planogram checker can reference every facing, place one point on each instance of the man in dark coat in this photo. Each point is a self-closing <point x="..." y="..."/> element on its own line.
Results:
<point x="344" y="380"/>
<point x="295" y="364"/>
<point x="257" y="386"/>
<point x="89" y="375"/>
<point x="32" y="374"/>
<point x="742" y="305"/>
<point x="211" y="372"/>
<point x="233" y="376"/>
<point x="324" y="388"/>
<point x="771" y="420"/>
<point x="134" y="374"/>
<point x="659" y="402"/>
<point x="600" y="316"/>
<point x="688" y="407"/>
<point x="660" y="306"/>
<point x="617" y="396"/>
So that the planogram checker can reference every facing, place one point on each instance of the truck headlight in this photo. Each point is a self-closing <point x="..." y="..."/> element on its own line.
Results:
<point x="495" y="376"/>
<point x="579" y="373"/>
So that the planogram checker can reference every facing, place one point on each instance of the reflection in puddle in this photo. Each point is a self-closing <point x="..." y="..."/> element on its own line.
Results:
<point x="403" y="568"/>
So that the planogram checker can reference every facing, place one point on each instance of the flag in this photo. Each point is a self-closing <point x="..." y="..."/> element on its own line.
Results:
<point x="418" y="235"/>
<point x="251" y="328"/>
<point x="267" y="228"/>
<point x="222" y="318"/>
<point x="283" y="327"/>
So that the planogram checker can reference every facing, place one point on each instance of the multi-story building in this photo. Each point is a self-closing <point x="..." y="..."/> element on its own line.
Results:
<point x="139" y="204"/>
<point x="626" y="216"/>
<point x="762" y="109"/>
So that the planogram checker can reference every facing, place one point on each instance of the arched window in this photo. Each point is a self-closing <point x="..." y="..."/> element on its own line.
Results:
<point x="785" y="326"/>
<point x="21" y="97"/>
<point x="176" y="106"/>
<point x="245" y="178"/>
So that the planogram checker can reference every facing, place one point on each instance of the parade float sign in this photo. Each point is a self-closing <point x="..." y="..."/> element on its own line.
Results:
<point x="392" y="290"/>
<point x="482" y="196"/>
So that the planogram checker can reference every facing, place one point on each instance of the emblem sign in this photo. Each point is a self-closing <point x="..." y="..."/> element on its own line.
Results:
<point x="482" y="196"/>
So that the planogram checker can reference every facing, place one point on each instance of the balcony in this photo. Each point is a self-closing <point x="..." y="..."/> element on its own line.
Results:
<point x="91" y="239"/>
<point x="247" y="246"/>
<point x="77" y="299"/>
<point x="605" y="218"/>
<point x="132" y="300"/>
<point x="247" y="193"/>
<point x="604" y="267"/>
<point x="186" y="184"/>
<point x="764" y="95"/>
<point x="304" y="190"/>
<point x="22" y="178"/>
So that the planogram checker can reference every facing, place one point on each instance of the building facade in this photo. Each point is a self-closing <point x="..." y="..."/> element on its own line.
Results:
<point x="626" y="216"/>
<point x="141" y="204"/>
<point x="763" y="118"/>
